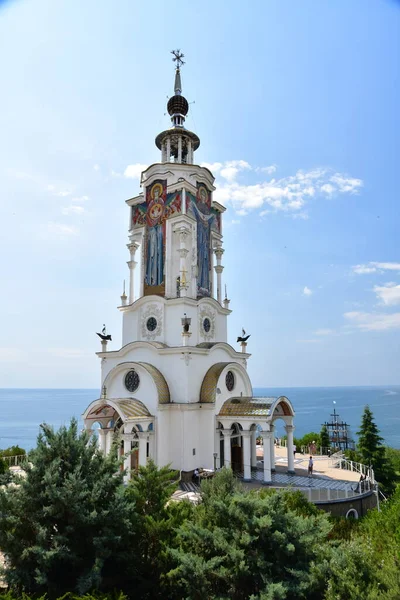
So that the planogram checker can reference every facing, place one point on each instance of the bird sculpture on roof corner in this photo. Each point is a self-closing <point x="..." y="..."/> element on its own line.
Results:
<point x="103" y="335"/>
<point x="244" y="337"/>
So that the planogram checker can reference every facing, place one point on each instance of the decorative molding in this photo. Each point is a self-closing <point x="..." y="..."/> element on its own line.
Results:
<point x="156" y="311"/>
<point x="207" y="312"/>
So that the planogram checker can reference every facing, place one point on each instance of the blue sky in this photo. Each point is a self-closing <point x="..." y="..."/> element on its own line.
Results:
<point x="296" y="105"/>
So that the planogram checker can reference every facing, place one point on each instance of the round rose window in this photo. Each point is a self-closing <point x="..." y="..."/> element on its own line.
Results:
<point x="230" y="381"/>
<point x="206" y="324"/>
<point x="132" y="381"/>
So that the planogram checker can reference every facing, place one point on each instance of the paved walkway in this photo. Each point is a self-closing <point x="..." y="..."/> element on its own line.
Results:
<point x="323" y="466"/>
<point x="327" y="483"/>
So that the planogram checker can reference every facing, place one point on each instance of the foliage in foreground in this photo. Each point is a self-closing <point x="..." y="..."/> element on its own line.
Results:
<point x="241" y="544"/>
<point x="72" y="527"/>
<point x="66" y="520"/>
<point x="370" y="451"/>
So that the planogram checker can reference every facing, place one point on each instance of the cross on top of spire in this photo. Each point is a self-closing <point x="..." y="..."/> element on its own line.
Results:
<point x="178" y="56"/>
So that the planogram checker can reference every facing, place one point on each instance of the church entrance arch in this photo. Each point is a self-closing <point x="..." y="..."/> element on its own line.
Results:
<point x="237" y="448"/>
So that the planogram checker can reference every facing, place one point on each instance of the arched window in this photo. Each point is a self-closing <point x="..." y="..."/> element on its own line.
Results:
<point x="352" y="514"/>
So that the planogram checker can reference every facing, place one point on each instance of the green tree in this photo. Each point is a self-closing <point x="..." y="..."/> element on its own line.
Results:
<point x="372" y="452"/>
<point x="155" y="520"/>
<point x="63" y="526"/>
<point x="12" y="451"/>
<point x="324" y="438"/>
<point x="242" y="545"/>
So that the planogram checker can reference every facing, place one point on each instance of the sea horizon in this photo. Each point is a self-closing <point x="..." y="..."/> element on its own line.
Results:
<point x="24" y="409"/>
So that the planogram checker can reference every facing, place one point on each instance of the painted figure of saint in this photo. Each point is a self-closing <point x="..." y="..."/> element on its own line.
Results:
<point x="155" y="237"/>
<point x="204" y="219"/>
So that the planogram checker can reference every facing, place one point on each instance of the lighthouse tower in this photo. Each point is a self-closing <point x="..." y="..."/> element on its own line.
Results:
<point x="176" y="391"/>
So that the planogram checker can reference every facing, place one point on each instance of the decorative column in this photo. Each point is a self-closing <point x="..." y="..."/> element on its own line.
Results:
<point x="168" y="157"/>
<point x="189" y="152"/>
<point x="132" y="247"/>
<point x="180" y="149"/>
<point x="266" y="437"/>
<point x="246" y="440"/>
<point x="218" y="269"/>
<point x="226" y="299"/>
<point x="127" y="451"/>
<point x="142" y="448"/>
<point x="290" y="455"/>
<point x="227" y="447"/>
<point x="151" y="439"/>
<point x="163" y="153"/>
<point x="124" y="298"/>
<point x="108" y="443"/>
<point x="102" y="440"/>
<point x="272" y="452"/>
<point x="183" y="201"/>
<point x="183" y="252"/>
<point x="254" y="449"/>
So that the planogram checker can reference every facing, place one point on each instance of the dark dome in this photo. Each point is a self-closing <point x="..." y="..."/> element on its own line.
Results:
<point x="178" y="105"/>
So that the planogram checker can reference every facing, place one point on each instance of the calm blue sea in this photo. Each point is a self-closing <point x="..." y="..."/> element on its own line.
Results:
<point x="22" y="410"/>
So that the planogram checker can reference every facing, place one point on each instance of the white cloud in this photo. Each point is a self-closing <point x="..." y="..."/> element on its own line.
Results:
<point x="96" y="167"/>
<point x="60" y="230"/>
<point x="307" y="291"/>
<point x="73" y="210"/>
<point x="288" y="194"/>
<point x="328" y="189"/>
<point x="346" y="185"/>
<point x="269" y="170"/>
<point x="374" y="321"/>
<point x="324" y="332"/>
<point x="134" y="171"/>
<point x="213" y="167"/>
<point x="232" y="168"/>
<point x="373" y="267"/>
<point x="389" y="294"/>
<point x="64" y="193"/>
<point x="363" y="269"/>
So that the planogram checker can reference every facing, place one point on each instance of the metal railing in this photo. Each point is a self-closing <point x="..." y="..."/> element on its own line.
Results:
<point x="339" y="461"/>
<point x="14" y="461"/>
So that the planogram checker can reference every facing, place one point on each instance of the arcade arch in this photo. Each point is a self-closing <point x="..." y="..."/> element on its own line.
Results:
<point x="240" y="421"/>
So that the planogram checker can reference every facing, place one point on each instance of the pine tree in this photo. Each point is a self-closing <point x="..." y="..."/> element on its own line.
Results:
<point x="242" y="545"/>
<point x="324" y="438"/>
<point x="372" y="452"/>
<point x="63" y="527"/>
<point x="369" y="441"/>
<point x="155" y="519"/>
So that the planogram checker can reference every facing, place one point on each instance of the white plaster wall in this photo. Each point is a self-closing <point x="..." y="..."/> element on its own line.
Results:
<point x="206" y="436"/>
<point x="184" y="381"/>
<point x="146" y="392"/>
<point x="169" y="314"/>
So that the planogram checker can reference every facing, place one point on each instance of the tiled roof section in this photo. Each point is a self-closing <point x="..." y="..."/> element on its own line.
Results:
<point x="132" y="408"/>
<point x="247" y="406"/>
<point x="161" y="384"/>
<point x="129" y="408"/>
<point x="209" y="386"/>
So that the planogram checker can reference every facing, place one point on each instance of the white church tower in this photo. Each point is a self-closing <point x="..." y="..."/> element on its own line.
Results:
<point x="176" y="391"/>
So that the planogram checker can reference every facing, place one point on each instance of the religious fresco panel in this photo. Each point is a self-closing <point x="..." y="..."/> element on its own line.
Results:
<point x="208" y="219"/>
<point x="153" y="213"/>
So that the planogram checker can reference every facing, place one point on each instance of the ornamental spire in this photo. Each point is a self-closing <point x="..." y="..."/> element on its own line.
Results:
<point x="177" y="143"/>
<point x="178" y="56"/>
